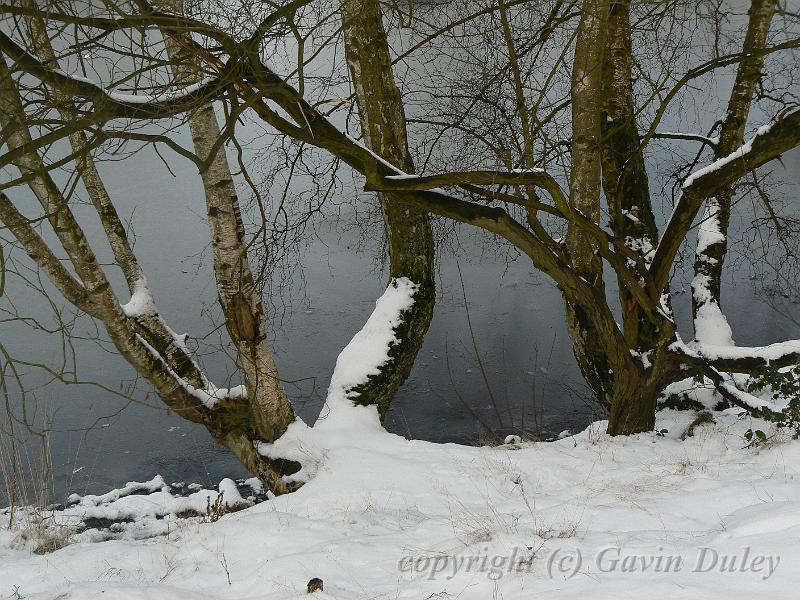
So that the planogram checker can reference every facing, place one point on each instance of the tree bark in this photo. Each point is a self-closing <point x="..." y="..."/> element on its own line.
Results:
<point x="584" y="193"/>
<point x="408" y="229"/>
<point x="239" y="297"/>
<point x="625" y="183"/>
<point x="625" y="180"/>
<point x="93" y="291"/>
<point x="151" y="327"/>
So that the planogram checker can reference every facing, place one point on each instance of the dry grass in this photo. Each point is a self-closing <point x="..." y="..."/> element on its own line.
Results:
<point x="26" y="473"/>
<point x="27" y="491"/>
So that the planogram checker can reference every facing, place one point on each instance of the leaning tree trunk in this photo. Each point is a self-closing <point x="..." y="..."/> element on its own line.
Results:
<point x="149" y="326"/>
<point x="89" y="290"/>
<point x="238" y="294"/>
<point x="411" y="248"/>
<point x="713" y="241"/>
<point x="245" y="319"/>
<point x="584" y="193"/>
<point x="161" y="359"/>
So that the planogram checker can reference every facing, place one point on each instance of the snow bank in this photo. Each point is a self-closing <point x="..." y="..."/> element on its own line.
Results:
<point x="390" y="518"/>
<point x="138" y="510"/>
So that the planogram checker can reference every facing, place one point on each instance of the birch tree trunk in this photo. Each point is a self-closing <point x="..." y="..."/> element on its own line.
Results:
<point x="239" y="297"/>
<point x="164" y="363"/>
<point x="711" y="326"/>
<point x="150" y="326"/>
<point x="411" y="248"/>
<point x="90" y="291"/>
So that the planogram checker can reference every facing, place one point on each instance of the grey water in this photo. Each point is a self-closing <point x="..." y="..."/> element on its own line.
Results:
<point x="100" y="440"/>
<point x="108" y="429"/>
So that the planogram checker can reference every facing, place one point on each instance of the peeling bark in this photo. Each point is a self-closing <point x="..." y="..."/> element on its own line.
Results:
<point x="245" y="318"/>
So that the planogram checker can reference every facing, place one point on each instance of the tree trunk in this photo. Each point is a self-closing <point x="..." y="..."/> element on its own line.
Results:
<point x="633" y="407"/>
<point x="245" y="318"/>
<point x="150" y="326"/>
<point x="408" y="229"/>
<point x="625" y="180"/>
<point x="584" y="188"/>
<point x="713" y="242"/>
<point x="625" y="183"/>
<point x="231" y="422"/>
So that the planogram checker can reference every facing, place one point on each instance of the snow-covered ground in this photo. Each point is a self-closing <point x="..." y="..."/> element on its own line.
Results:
<point x="385" y="517"/>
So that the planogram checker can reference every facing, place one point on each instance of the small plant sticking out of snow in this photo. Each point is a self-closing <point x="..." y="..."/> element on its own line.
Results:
<point x="755" y="438"/>
<point x="229" y="500"/>
<point x="703" y="416"/>
<point x="39" y="532"/>
<point x="566" y="531"/>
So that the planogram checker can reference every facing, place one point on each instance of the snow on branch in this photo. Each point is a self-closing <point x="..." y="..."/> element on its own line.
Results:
<point x="691" y="355"/>
<point x="404" y="182"/>
<point x="141" y="303"/>
<point x="211" y="395"/>
<point x="769" y="142"/>
<point x="750" y="359"/>
<point x="165" y="96"/>
<point x="114" y="104"/>
<point x="740" y="152"/>
<point x="741" y="358"/>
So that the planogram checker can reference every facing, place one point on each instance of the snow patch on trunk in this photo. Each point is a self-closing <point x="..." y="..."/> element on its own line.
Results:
<point x="342" y="422"/>
<point x="141" y="303"/>
<point x="710" y="232"/>
<point x="711" y="326"/>
<point x="366" y="354"/>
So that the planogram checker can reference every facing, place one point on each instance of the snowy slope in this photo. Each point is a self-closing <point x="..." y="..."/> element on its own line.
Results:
<point x="378" y="506"/>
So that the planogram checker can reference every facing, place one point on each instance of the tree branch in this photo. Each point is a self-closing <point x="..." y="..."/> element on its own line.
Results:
<point x="769" y="143"/>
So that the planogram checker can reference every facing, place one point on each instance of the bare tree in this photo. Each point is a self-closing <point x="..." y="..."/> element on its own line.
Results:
<point x="566" y="122"/>
<point x="258" y="411"/>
